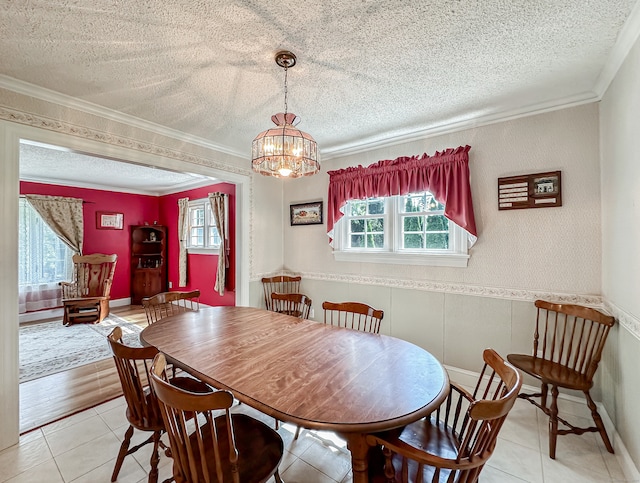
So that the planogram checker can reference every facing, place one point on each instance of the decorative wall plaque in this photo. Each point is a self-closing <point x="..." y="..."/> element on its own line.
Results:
<point x="539" y="190"/>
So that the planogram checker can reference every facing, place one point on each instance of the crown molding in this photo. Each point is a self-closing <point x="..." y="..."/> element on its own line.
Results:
<point x="377" y="142"/>
<point x="624" y="43"/>
<point x="48" y="95"/>
<point x="456" y="126"/>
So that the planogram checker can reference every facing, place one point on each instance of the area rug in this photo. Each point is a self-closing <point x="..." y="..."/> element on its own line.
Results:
<point x="50" y="347"/>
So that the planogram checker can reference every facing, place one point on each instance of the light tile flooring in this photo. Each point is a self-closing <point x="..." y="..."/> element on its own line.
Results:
<point x="82" y="448"/>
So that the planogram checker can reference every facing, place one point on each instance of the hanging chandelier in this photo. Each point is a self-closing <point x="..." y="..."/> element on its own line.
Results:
<point x="285" y="151"/>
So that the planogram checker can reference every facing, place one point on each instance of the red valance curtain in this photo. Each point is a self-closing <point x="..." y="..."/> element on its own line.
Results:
<point x="445" y="175"/>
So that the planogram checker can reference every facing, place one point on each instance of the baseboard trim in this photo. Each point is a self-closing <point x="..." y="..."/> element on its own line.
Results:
<point x="631" y="473"/>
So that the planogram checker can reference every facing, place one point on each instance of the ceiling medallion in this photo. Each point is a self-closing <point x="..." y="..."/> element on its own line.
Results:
<point x="285" y="151"/>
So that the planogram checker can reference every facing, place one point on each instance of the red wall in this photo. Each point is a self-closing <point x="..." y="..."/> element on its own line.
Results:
<point x="201" y="273"/>
<point x="137" y="210"/>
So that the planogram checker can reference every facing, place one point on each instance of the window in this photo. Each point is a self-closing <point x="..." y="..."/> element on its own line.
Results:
<point x="43" y="258"/>
<point x="203" y="233"/>
<point x="408" y="229"/>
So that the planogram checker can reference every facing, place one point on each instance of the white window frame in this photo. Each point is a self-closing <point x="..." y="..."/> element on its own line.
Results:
<point x="456" y="255"/>
<point x="209" y="221"/>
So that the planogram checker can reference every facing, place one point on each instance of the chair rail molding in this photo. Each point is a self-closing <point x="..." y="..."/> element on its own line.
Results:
<point x="445" y="287"/>
<point x="626" y="320"/>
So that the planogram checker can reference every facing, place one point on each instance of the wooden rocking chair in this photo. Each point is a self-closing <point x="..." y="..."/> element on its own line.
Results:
<point x="86" y="299"/>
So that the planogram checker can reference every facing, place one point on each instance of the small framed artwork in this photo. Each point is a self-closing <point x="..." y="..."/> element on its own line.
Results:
<point x="108" y="220"/>
<point x="306" y="213"/>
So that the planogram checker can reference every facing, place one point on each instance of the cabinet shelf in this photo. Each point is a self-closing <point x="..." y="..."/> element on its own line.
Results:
<point x="148" y="261"/>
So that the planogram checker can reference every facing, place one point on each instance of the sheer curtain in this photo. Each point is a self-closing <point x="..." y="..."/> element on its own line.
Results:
<point x="183" y="228"/>
<point x="445" y="175"/>
<point x="44" y="257"/>
<point x="219" y="202"/>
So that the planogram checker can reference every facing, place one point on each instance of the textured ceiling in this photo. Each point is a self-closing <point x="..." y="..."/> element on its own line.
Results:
<point x="46" y="164"/>
<point x="367" y="70"/>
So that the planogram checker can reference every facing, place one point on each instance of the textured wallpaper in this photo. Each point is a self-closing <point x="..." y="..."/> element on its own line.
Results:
<point x="547" y="249"/>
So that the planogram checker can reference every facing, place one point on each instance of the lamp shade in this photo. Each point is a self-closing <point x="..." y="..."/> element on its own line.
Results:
<point x="285" y="151"/>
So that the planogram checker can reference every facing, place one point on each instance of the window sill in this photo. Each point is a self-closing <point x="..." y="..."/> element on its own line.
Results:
<point x="458" y="260"/>
<point x="203" y="251"/>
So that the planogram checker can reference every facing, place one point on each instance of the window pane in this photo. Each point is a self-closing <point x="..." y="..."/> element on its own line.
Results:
<point x="375" y="241"/>
<point x="437" y="241"/>
<point x="433" y="205"/>
<point x="415" y="203"/>
<point x="414" y="240"/>
<point x="376" y="206"/>
<point x="375" y="225"/>
<point x="214" y="237"/>
<point x="357" y="241"/>
<point x="197" y="216"/>
<point x="42" y="256"/>
<point x="357" y="226"/>
<point x="197" y="237"/>
<point x="358" y="208"/>
<point x="414" y="224"/>
<point x="437" y="223"/>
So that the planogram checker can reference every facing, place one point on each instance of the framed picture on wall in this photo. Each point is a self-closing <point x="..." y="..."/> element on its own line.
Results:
<point x="108" y="220"/>
<point x="306" y="213"/>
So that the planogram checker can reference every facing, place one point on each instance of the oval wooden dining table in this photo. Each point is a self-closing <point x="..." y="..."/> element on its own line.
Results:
<point x="304" y="372"/>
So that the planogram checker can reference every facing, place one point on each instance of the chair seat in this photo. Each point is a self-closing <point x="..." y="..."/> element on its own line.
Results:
<point x="259" y="447"/>
<point x="83" y="300"/>
<point x="550" y="372"/>
<point x="424" y="436"/>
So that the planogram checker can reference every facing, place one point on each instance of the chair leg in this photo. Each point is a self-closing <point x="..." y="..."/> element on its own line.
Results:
<point x="553" y="422"/>
<point x="155" y="458"/>
<point x="598" y="420"/>
<point x="544" y="389"/>
<point x="124" y="447"/>
<point x="297" y="433"/>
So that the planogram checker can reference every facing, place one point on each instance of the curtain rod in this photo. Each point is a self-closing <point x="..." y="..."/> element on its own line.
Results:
<point x="83" y="201"/>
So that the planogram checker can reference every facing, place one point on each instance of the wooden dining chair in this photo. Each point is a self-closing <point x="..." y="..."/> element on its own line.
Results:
<point x="166" y="304"/>
<point x="225" y="448"/>
<point x="567" y="347"/>
<point x="280" y="284"/>
<point x="353" y="315"/>
<point x="295" y="304"/>
<point x="143" y="412"/>
<point x="86" y="298"/>
<point x="455" y="442"/>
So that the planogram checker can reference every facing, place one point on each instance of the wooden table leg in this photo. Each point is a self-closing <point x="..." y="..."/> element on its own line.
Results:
<point x="357" y="444"/>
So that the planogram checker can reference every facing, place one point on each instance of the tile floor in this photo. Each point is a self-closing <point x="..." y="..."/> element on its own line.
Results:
<point x="82" y="448"/>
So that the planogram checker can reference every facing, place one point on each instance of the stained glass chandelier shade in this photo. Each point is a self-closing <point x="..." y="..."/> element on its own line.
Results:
<point x="285" y="151"/>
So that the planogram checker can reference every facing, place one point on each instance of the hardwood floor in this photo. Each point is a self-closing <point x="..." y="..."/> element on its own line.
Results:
<point x="53" y="397"/>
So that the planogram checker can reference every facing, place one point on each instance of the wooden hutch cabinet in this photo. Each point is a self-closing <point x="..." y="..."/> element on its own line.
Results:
<point x="148" y="261"/>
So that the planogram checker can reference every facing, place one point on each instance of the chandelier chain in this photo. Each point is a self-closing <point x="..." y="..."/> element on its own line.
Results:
<point x="286" y="70"/>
